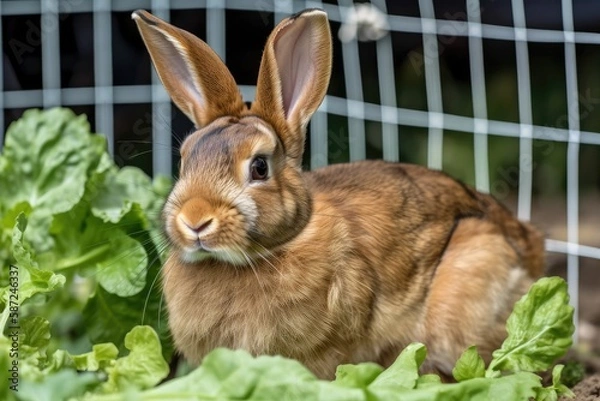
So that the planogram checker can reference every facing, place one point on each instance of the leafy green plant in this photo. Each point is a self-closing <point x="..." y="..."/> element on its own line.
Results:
<point x="79" y="243"/>
<point x="80" y="253"/>
<point x="573" y="373"/>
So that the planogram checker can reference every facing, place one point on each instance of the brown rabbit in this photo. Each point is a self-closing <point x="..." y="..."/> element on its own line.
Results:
<point x="344" y="264"/>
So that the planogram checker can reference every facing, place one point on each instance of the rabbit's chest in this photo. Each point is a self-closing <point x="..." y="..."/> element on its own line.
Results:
<point x="240" y="313"/>
<point x="205" y="318"/>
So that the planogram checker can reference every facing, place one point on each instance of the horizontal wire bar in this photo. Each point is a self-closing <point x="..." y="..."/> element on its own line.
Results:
<point x="398" y="23"/>
<point x="128" y="94"/>
<point x="571" y="248"/>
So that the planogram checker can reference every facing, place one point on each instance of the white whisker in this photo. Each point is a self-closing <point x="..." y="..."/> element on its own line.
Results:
<point x="253" y="267"/>
<point x="147" y="300"/>
<point x="268" y="253"/>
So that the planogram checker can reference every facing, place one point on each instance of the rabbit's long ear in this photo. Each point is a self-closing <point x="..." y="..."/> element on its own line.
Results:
<point x="294" y="76"/>
<point x="194" y="76"/>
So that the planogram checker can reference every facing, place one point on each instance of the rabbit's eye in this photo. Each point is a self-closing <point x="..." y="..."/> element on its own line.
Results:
<point x="259" y="169"/>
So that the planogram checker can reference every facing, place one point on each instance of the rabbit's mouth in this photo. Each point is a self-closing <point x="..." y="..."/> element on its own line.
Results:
<point x="191" y="255"/>
<point x="199" y="253"/>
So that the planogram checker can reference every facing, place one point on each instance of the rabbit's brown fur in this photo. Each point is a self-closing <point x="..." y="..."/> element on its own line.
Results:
<point x="343" y="264"/>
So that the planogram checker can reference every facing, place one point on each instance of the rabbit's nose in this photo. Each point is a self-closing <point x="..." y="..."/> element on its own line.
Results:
<point x="198" y="227"/>
<point x="196" y="218"/>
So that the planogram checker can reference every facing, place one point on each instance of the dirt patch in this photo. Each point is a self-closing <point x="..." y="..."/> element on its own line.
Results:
<point x="587" y="390"/>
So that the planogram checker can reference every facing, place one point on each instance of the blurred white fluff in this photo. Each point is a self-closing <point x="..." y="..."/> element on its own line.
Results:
<point x="365" y="22"/>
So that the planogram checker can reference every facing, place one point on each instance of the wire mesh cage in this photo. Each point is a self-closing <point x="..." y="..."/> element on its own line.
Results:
<point x="501" y="94"/>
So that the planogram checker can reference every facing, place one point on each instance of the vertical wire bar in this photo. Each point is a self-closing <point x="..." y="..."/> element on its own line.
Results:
<point x="433" y="85"/>
<point x="215" y="26"/>
<point x="354" y="93"/>
<point x="49" y="26"/>
<point x="525" y="117"/>
<point x="161" y="111"/>
<point x="103" y="96"/>
<point x="387" y="90"/>
<point x="319" y="147"/>
<point x="572" y="160"/>
<point x="480" y="122"/>
<point x="1" y="88"/>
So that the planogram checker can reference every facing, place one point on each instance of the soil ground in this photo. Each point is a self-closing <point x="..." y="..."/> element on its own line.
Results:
<point x="587" y="390"/>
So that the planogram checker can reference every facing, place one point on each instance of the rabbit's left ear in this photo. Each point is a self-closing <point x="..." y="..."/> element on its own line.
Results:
<point x="294" y="76"/>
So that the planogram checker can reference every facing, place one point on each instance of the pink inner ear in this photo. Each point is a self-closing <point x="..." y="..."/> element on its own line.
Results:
<point x="171" y="56"/>
<point x="294" y="62"/>
<point x="182" y="74"/>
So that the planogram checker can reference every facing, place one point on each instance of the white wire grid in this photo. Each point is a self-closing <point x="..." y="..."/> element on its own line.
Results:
<point x="104" y="95"/>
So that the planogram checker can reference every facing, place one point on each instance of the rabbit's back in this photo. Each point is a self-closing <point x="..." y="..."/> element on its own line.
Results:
<point x="417" y="208"/>
<point x="445" y="263"/>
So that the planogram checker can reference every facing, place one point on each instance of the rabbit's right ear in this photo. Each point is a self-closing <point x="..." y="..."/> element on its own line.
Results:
<point x="294" y="76"/>
<point x="192" y="73"/>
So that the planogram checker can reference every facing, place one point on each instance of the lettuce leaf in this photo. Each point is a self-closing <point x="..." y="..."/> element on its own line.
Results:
<point x="235" y="375"/>
<point x="551" y="393"/>
<point x="359" y="376"/>
<point x="109" y="317"/>
<point x="120" y="191"/>
<point x="469" y="366"/>
<point x="101" y="356"/>
<point x="520" y="386"/>
<point x="45" y="162"/>
<point x="35" y="332"/>
<point x="63" y="385"/>
<point x="403" y="373"/>
<point x="36" y="359"/>
<point x="540" y="329"/>
<point x="31" y="280"/>
<point x="143" y="368"/>
<point x="89" y="222"/>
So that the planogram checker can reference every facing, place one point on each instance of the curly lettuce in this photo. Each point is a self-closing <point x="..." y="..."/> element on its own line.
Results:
<point x="72" y="219"/>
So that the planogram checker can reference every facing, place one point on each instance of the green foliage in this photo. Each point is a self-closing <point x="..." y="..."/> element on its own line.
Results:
<point x="72" y="219"/>
<point x="539" y="329"/>
<point x="87" y="255"/>
<point x="469" y="366"/>
<point x="143" y="368"/>
<point x="557" y="388"/>
<point x="573" y="373"/>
